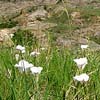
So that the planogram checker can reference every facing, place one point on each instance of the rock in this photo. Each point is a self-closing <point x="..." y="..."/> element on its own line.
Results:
<point x="9" y="10"/>
<point x="82" y="41"/>
<point x="5" y="39"/>
<point x="97" y="34"/>
<point x="38" y="14"/>
<point x="69" y="43"/>
<point x="5" y="36"/>
<point x="94" y="46"/>
<point x="74" y="43"/>
<point x="45" y="2"/>
<point x="90" y="31"/>
<point x="75" y="15"/>
<point x="78" y="2"/>
<point x="37" y="25"/>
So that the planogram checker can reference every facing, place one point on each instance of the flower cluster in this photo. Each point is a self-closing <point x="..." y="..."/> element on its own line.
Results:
<point x="81" y="63"/>
<point x="24" y="65"/>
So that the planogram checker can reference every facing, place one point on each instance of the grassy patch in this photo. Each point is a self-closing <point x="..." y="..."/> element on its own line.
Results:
<point x="56" y="79"/>
<point x="8" y="24"/>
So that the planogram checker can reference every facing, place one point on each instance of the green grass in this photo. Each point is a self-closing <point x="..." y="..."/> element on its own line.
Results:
<point x="56" y="79"/>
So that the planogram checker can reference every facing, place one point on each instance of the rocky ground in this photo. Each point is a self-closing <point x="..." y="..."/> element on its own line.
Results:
<point x="78" y="24"/>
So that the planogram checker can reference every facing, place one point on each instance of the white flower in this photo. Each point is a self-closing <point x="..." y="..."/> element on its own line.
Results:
<point x="34" y="53"/>
<point x="43" y="48"/>
<point x="17" y="56"/>
<point x="21" y="48"/>
<point x="82" y="78"/>
<point x="36" y="70"/>
<point x="84" y="46"/>
<point x="23" y="65"/>
<point x="81" y="62"/>
<point x="11" y="35"/>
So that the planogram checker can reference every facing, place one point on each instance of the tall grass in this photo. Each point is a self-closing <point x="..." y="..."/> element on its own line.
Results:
<point x="56" y="80"/>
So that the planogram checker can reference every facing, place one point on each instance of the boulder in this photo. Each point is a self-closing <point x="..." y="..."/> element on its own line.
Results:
<point x="76" y="42"/>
